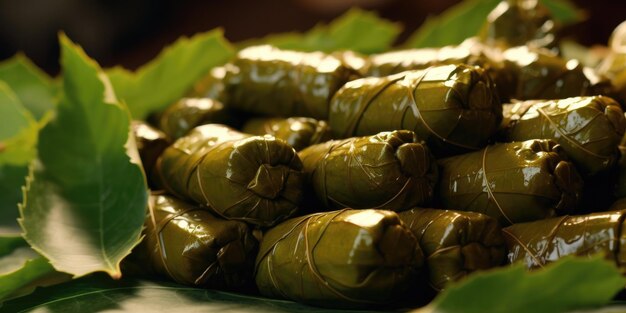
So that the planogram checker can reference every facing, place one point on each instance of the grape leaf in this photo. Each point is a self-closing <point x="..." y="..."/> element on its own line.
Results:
<point x="11" y="181"/>
<point x="22" y="269"/>
<point x="99" y="294"/>
<point x="465" y="20"/>
<point x="170" y="75"/>
<point x="572" y="283"/>
<point x="33" y="87"/>
<point x="84" y="200"/>
<point x="18" y="129"/>
<point x="344" y="33"/>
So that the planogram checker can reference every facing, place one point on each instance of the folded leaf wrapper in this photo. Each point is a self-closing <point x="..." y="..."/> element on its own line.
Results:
<point x="588" y="129"/>
<point x="193" y="247"/>
<point x="151" y="143"/>
<point x="512" y="182"/>
<point x="299" y="132"/>
<point x="387" y="171"/>
<point x="541" y="242"/>
<point x="455" y="243"/>
<point x="179" y="118"/>
<point x="256" y="179"/>
<point x="211" y="85"/>
<point x="269" y="81"/>
<point x="347" y="258"/>
<point x="453" y="108"/>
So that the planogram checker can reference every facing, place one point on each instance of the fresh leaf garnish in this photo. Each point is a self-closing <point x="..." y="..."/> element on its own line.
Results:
<point x="97" y="293"/>
<point x="465" y="20"/>
<point x="572" y="283"/>
<point x="18" y="129"/>
<point x="33" y="87"/>
<point x="170" y="75"/>
<point x="84" y="200"/>
<point x="357" y="30"/>
<point x="11" y="181"/>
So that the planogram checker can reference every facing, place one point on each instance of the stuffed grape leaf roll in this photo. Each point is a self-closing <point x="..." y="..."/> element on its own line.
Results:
<point x="512" y="182"/>
<point x="347" y="258"/>
<point x="588" y="129"/>
<point x="179" y="118"/>
<point x="299" y="132"/>
<point x="151" y="143"/>
<point x="537" y="243"/>
<point x="256" y="179"/>
<point x="455" y="243"/>
<point x="453" y="108"/>
<point x="268" y="81"/>
<point x="388" y="171"/>
<point x="193" y="247"/>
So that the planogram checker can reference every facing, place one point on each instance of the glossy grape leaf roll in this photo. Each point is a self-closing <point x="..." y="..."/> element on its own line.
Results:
<point x="256" y="179"/>
<point x="183" y="115"/>
<point x="537" y="243"/>
<point x="588" y="129"/>
<point x="268" y="81"/>
<point x="512" y="182"/>
<point x="455" y="243"/>
<point x="347" y="258"/>
<point x="299" y="132"/>
<point x="453" y="108"/>
<point x="193" y="247"/>
<point x="151" y="143"/>
<point x="387" y="171"/>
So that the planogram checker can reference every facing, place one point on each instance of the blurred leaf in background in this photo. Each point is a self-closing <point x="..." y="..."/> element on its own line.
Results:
<point x="465" y="20"/>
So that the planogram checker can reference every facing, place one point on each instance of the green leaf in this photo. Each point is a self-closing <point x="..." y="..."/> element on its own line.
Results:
<point x="171" y="74"/>
<point x="572" y="283"/>
<point x="11" y="181"/>
<point x="22" y="269"/>
<point x="99" y="294"/>
<point x="84" y="200"/>
<point x="465" y="20"/>
<point x="18" y="129"/>
<point x="344" y="33"/>
<point x="33" y="87"/>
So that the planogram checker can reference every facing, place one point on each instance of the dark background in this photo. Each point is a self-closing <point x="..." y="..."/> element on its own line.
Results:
<point x="132" y="32"/>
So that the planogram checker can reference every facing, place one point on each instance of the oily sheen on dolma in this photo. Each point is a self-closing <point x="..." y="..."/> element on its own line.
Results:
<point x="193" y="247"/>
<point x="388" y="171"/>
<point x="268" y="81"/>
<point x="179" y="118"/>
<point x="588" y="129"/>
<point x="151" y="143"/>
<point x="299" y="132"/>
<point x="512" y="182"/>
<point x="538" y="243"/>
<point x="256" y="179"/>
<point x="347" y="258"/>
<point x="453" y="108"/>
<point x="455" y="243"/>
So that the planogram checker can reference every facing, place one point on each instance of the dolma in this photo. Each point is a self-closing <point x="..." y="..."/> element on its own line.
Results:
<point x="512" y="182"/>
<point x="256" y="179"/>
<point x="211" y="85"/>
<point x="539" y="74"/>
<point x="537" y="243"/>
<point x="347" y="258"/>
<point x="620" y="186"/>
<point x="267" y="81"/>
<point x="613" y="65"/>
<point x="179" y="118"/>
<point x="588" y="129"/>
<point x="353" y="60"/>
<point x="193" y="247"/>
<point x="151" y="143"/>
<point x="299" y="132"/>
<point x="453" y="108"/>
<point x="388" y="171"/>
<point x="455" y="243"/>
<point x="520" y="22"/>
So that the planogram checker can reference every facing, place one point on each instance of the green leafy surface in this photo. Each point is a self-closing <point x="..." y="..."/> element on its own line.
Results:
<point x="18" y="129"/>
<point x="356" y="30"/>
<point x="11" y="181"/>
<point x="33" y="87"/>
<point x="84" y="200"/>
<point x="171" y="74"/>
<point x="572" y="283"/>
<point x="465" y="20"/>
<point x="99" y="294"/>
<point x="22" y="269"/>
